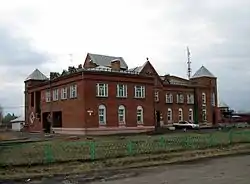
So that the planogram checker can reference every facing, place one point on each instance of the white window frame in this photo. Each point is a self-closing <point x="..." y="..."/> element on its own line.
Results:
<point x="180" y="114"/>
<point x="190" y="99"/>
<point x="180" y="98"/>
<point x="139" y="113"/>
<point x="73" y="91"/>
<point x="203" y="97"/>
<point x="121" y="90"/>
<point x="157" y="99"/>
<point x="204" y="115"/>
<point x="64" y="93"/>
<point x="121" y="115"/>
<point x="169" y="115"/>
<point x="139" y="91"/>
<point x="55" y="94"/>
<point x="102" y="90"/>
<point x="102" y="112"/>
<point x="48" y="96"/>
<point x="169" y="98"/>
<point x="190" y="115"/>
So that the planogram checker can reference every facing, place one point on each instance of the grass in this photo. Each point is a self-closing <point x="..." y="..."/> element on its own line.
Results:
<point x="60" y="150"/>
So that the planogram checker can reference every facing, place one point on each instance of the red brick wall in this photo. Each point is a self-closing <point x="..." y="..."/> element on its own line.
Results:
<point x="112" y="102"/>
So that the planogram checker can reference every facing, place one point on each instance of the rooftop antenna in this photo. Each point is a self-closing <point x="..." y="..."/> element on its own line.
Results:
<point x="71" y="58"/>
<point x="189" y="64"/>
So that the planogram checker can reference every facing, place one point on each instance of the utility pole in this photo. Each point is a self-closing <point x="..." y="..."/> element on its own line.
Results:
<point x="189" y="64"/>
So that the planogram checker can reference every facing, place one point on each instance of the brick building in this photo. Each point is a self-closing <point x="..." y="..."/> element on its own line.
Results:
<point x="103" y="96"/>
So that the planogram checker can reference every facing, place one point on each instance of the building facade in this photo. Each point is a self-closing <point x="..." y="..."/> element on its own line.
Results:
<point x="103" y="96"/>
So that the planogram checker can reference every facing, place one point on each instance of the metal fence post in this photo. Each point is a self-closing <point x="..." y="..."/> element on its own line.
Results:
<point x="49" y="157"/>
<point x="230" y="135"/>
<point x="162" y="142"/>
<point x="130" y="147"/>
<point x="92" y="150"/>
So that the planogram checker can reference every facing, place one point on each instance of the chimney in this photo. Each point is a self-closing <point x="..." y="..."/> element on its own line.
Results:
<point x="116" y="64"/>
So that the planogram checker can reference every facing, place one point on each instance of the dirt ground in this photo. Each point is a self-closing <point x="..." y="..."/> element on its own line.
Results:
<point x="227" y="170"/>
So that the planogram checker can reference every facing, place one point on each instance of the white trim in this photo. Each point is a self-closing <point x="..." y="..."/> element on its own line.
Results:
<point x="105" y="90"/>
<point x="141" y="92"/>
<point x="140" y="108"/>
<point x="125" y="91"/>
<point x="104" y="122"/>
<point x="204" y="98"/>
<point x="122" y="107"/>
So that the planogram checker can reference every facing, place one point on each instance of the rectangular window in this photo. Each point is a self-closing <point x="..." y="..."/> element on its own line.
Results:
<point x="157" y="96"/>
<point x="121" y="90"/>
<point x="48" y="96"/>
<point x="203" y="98"/>
<point x="55" y="94"/>
<point x="204" y="115"/>
<point x="73" y="91"/>
<point x="169" y="98"/>
<point x="139" y="91"/>
<point x="64" y="93"/>
<point x="180" y="98"/>
<point x="102" y="90"/>
<point x="190" y="99"/>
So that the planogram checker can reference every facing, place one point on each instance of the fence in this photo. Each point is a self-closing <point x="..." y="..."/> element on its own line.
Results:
<point x="61" y="151"/>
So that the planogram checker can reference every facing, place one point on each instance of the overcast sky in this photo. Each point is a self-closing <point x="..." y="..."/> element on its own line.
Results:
<point x="42" y="33"/>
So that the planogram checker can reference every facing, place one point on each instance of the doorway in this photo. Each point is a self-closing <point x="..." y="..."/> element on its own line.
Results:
<point x="46" y="122"/>
<point x="158" y="118"/>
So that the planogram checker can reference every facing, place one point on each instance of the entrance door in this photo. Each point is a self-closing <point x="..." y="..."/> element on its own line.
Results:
<point x="158" y="118"/>
<point x="46" y="123"/>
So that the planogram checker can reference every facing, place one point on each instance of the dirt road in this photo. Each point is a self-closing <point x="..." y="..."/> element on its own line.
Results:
<point x="228" y="170"/>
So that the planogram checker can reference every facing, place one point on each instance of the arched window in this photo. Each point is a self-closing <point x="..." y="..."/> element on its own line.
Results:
<point x="204" y="115"/>
<point x="139" y="115"/>
<point x="180" y="114"/>
<point x="121" y="114"/>
<point x="102" y="114"/>
<point x="190" y="115"/>
<point x="169" y="115"/>
<point x="203" y="98"/>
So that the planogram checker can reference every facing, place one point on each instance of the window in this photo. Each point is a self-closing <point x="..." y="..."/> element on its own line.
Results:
<point x="190" y="99"/>
<point x="48" y="96"/>
<point x="139" y="91"/>
<point x="203" y="98"/>
<point x="64" y="93"/>
<point x="55" y="94"/>
<point x="121" y="114"/>
<point x="102" y="90"/>
<point x="139" y="115"/>
<point x="169" y="115"/>
<point x="190" y="115"/>
<point x="102" y="115"/>
<point x="169" y="98"/>
<point x="157" y="96"/>
<point x="73" y="91"/>
<point x="180" y="114"/>
<point x="121" y="90"/>
<point x="180" y="98"/>
<point x="204" y="115"/>
<point x="213" y="99"/>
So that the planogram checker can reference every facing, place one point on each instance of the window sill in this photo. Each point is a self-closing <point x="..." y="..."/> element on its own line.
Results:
<point x="139" y="97"/>
<point x="102" y="96"/>
<point x="102" y="125"/>
<point x="121" y="97"/>
<point x="73" y="97"/>
<point x="169" y="102"/>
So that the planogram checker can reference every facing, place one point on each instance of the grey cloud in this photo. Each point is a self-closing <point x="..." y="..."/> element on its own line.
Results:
<point x="17" y="51"/>
<point x="228" y="57"/>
